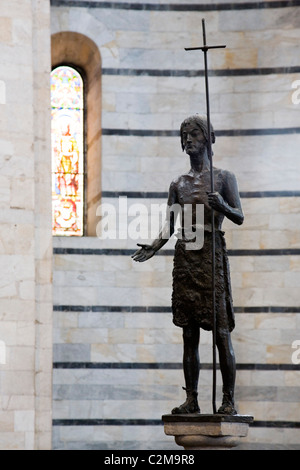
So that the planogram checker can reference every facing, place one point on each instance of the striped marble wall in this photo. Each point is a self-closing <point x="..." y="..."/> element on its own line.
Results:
<point x="117" y="355"/>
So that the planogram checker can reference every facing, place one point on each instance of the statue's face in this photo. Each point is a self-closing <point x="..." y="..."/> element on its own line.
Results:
<point x="193" y="139"/>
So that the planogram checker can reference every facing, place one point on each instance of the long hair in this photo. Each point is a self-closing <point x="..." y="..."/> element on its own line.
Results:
<point x="200" y="121"/>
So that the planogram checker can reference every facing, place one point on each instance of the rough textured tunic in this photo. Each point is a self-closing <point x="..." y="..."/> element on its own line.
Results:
<point x="192" y="285"/>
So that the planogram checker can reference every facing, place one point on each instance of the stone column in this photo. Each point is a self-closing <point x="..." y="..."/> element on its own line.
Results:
<point x="41" y="46"/>
<point x="25" y="227"/>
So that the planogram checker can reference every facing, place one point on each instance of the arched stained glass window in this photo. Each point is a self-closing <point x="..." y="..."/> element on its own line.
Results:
<point x="67" y="137"/>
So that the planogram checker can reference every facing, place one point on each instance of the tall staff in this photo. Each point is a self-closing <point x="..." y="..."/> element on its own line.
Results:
<point x="205" y="48"/>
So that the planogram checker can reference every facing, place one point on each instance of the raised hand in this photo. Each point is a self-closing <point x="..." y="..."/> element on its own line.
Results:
<point x="144" y="253"/>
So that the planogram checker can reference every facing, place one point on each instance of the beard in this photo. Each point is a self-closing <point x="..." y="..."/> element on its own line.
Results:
<point x="196" y="149"/>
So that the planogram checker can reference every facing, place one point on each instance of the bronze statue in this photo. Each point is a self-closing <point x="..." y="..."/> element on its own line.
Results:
<point x="192" y="271"/>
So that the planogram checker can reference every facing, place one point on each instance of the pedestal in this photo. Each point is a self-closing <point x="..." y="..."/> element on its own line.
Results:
<point x="207" y="432"/>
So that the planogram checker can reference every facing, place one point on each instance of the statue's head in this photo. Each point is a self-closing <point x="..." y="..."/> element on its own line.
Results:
<point x="201" y="122"/>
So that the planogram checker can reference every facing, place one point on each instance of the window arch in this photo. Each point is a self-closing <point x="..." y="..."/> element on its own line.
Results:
<point x="82" y="55"/>
<point x="67" y="132"/>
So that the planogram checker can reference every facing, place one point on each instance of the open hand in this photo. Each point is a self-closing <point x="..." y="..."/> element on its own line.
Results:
<point x="144" y="253"/>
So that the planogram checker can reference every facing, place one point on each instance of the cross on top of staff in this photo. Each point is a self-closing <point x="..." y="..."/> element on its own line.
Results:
<point x="204" y="48"/>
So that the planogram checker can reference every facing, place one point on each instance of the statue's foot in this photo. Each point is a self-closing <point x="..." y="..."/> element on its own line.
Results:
<point x="186" y="408"/>
<point x="189" y="406"/>
<point x="227" y="409"/>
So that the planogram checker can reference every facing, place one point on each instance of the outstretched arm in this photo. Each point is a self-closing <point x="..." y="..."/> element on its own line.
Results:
<point x="229" y="202"/>
<point x="147" y="251"/>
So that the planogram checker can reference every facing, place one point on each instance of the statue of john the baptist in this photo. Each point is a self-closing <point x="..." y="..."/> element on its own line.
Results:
<point x="192" y="270"/>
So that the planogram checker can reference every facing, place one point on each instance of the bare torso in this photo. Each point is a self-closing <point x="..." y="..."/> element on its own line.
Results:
<point x="193" y="189"/>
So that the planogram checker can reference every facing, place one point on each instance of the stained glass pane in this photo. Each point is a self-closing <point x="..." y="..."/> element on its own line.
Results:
<point x="67" y="135"/>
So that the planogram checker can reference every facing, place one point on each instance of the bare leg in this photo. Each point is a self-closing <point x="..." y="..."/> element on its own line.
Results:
<point x="191" y="368"/>
<point x="191" y="362"/>
<point x="228" y="368"/>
